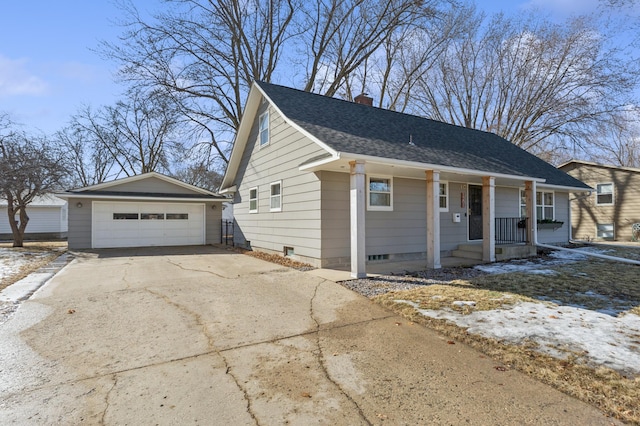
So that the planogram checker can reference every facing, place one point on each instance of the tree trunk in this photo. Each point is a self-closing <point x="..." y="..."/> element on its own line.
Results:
<point x="17" y="228"/>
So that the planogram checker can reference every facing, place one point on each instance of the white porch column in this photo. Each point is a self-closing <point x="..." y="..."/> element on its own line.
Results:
<point x="357" y="209"/>
<point x="530" y="189"/>
<point x="433" y="219"/>
<point x="488" y="219"/>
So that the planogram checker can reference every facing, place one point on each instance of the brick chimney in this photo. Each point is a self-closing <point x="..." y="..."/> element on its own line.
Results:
<point x="363" y="99"/>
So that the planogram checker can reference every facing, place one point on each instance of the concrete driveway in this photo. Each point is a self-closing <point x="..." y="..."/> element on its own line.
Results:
<point x="205" y="336"/>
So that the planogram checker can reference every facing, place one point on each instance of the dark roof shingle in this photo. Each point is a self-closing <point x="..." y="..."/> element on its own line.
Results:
<point x="359" y="129"/>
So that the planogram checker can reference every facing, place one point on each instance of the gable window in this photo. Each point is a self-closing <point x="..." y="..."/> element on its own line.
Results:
<point x="544" y="205"/>
<point x="604" y="195"/>
<point x="380" y="195"/>
<point x="253" y="200"/>
<point x="263" y="123"/>
<point x="444" y="197"/>
<point x="275" y="198"/>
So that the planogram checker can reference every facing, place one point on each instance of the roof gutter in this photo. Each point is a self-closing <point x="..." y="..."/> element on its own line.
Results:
<point x="424" y="166"/>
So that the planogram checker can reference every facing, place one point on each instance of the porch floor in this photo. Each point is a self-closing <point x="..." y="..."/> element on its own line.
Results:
<point x="388" y="268"/>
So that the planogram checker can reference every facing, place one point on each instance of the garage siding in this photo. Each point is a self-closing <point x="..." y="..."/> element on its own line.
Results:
<point x="79" y="234"/>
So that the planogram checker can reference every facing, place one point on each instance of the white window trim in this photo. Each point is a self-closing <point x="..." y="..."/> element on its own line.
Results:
<point x="271" y="185"/>
<point x="250" y="199"/>
<point x="612" y="194"/>
<point x="553" y="206"/>
<point x="260" y="130"/>
<point x="520" y="205"/>
<point x="446" y="183"/>
<point x="388" y="208"/>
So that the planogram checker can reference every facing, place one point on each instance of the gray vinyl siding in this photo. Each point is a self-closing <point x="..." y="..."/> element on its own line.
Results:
<point x="298" y="224"/>
<point x="624" y="212"/>
<point x="561" y="214"/>
<point x="79" y="234"/>
<point x="403" y="230"/>
<point x="153" y="185"/>
<point x="507" y="202"/>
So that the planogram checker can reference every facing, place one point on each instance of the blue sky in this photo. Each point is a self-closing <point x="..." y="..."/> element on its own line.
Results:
<point x="48" y="66"/>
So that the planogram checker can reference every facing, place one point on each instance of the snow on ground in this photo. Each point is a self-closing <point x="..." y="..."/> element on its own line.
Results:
<point x="558" y="257"/>
<point x="11" y="261"/>
<point x="600" y="338"/>
<point x="597" y="338"/>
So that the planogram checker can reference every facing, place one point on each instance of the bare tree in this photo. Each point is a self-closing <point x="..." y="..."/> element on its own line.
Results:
<point x="617" y="142"/>
<point x="339" y="36"/>
<point x="537" y="84"/>
<point x="204" y="55"/>
<point x="86" y="157"/>
<point x="201" y="176"/>
<point x="136" y="135"/>
<point x="28" y="168"/>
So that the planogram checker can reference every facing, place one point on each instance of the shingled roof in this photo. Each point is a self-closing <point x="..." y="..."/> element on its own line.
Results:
<point x="348" y="127"/>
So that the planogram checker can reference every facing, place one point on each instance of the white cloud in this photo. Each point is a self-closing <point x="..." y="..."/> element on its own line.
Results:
<point x="564" y="7"/>
<point x="15" y="79"/>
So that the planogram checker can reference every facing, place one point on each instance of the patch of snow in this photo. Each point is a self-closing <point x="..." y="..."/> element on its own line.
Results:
<point x="462" y="303"/>
<point x="11" y="262"/>
<point x="597" y="338"/>
<point x="558" y="257"/>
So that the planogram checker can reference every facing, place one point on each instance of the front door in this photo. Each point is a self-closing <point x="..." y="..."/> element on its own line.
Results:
<point x="475" y="212"/>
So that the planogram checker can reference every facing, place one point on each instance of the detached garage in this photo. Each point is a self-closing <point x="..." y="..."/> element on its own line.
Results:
<point x="140" y="211"/>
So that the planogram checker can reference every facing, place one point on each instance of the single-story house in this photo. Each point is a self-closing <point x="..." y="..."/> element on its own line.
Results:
<point x="47" y="219"/>
<point x="150" y="209"/>
<point x="338" y="183"/>
<point x="612" y="211"/>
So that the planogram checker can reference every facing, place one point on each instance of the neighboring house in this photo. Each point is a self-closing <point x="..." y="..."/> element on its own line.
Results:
<point x="47" y="219"/>
<point x="611" y="211"/>
<point x="144" y="210"/>
<point x="337" y="183"/>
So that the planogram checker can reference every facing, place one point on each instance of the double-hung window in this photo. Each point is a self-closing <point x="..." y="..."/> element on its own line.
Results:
<point x="444" y="197"/>
<point x="604" y="194"/>
<point x="544" y="205"/>
<point x="253" y="200"/>
<point x="275" y="199"/>
<point x="380" y="193"/>
<point x="263" y="129"/>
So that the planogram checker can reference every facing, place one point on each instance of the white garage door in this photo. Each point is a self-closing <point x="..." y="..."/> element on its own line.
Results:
<point x="118" y="224"/>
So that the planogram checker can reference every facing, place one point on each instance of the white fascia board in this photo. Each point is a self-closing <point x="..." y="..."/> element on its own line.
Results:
<point x="319" y="163"/>
<point x="240" y="142"/>
<point x="133" y="197"/>
<point x="231" y="189"/>
<point x="438" y="167"/>
<point x="287" y="120"/>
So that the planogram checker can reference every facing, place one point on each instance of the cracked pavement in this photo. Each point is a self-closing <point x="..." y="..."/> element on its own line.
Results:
<point x="202" y="335"/>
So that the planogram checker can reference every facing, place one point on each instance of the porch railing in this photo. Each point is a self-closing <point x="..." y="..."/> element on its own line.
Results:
<point x="511" y="230"/>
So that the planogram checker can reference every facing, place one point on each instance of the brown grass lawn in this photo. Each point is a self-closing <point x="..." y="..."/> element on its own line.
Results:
<point x="592" y="284"/>
<point x="40" y="253"/>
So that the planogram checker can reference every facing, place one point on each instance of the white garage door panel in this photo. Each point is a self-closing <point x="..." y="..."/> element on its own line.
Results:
<point x="110" y="232"/>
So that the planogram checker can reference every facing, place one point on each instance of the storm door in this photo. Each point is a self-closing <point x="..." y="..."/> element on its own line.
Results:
<point x="475" y="212"/>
